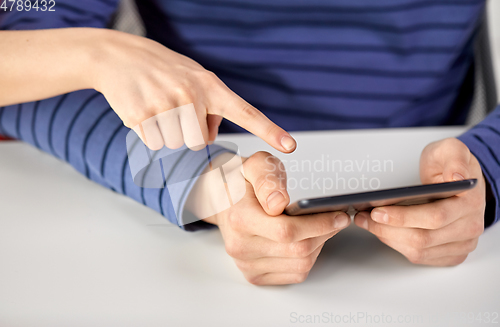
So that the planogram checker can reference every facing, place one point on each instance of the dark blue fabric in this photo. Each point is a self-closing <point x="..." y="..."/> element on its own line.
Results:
<point x="307" y="64"/>
<point x="326" y="64"/>
<point x="484" y="142"/>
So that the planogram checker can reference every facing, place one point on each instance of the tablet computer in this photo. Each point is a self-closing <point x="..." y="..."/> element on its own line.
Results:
<point x="409" y="195"/>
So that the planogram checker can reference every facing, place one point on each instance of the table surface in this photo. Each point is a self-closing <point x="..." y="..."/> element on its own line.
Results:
<point x="73" y="253"/>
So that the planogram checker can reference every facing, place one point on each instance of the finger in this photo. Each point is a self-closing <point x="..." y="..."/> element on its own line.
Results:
<point x="245" y="115"/>
<point x="432" y="215"/>
<point x="278" y="279"/>
<point x="447" y="261"/>
<point x="213" y="122"/>
<point x="252" y="268"/>
<point x="257" y="247"/>
<point x="428" y="255"/>
<point x="170" y="129"/>
<point x="267" y="175"/>
<point x="194" y="129"/>
<point x="450" y="161"/>
<point x="150" y="134"/>
<point x="462" y="229"/>
<point x="290" y="229"/>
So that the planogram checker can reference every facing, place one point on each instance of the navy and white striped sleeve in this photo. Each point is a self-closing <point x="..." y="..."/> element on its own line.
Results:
<point x="483" y="141"/>
<point x="81" y="128"/>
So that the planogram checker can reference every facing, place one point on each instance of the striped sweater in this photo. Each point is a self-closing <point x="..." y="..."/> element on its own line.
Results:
<point x="308" y="65"/>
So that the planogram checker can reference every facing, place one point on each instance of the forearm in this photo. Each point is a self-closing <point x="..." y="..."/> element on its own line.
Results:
<point x="41" y="64"/>
<point x="81" y="129"/>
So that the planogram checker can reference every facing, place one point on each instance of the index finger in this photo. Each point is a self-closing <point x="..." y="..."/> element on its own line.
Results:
<point x="432" y="215"/>
<point x="250" y="118"/>
<point x="289" y="229"/>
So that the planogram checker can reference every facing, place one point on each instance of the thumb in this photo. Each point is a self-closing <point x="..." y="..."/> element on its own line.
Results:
<point x="455" y="157"/>
<point x="267" y="175"/>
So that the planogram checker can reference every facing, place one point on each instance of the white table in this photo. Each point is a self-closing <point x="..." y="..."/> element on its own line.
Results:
<point x="75" y="254"/>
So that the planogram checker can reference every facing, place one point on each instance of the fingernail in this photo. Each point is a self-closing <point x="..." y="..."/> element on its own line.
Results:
<point x="274" y="199"/>
<point x="341" y="221"/>
<point x="458" y="177"/>
<point x="287" y="142"/>
<point x="362" y="222"/>
<point x="380" y="216"/>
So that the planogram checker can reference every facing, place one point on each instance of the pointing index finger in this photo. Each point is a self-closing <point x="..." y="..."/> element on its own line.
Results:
<point x="250" y="118"/>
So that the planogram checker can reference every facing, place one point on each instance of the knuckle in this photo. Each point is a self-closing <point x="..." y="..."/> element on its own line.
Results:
<point x="259" y="157"/>
<point x="248" y="111"/>
<point x="458" y="260"/>
<point x="235" y="221"/>
<point x="255" y="280"/>
<point x="207" y="76"/>
<point x="264" y="182"/>
<point x="244" y="265"/>
<point x="476" y="228"/>
<point x="454" y="142"/>
<point x="420" y="239"/>
<point x="471" y="245"/>
<point x="301" y="249"/>
<point x="273" y="163"/>
<point x="417" y="256"/>
<point x="234" y="249"/>
<point x="300" y="278"/>
<point x="439" y="218"/>
<point x="183" y="94"/>
<point x="285" y="232"/>
<point x="304" y="265"/>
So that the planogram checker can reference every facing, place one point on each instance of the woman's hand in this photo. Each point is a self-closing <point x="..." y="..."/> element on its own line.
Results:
<point x="170" y="99"/>
<point x="166" y="97"/>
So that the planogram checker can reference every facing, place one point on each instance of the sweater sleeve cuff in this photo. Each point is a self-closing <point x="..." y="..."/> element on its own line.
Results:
<point x="179" y="192"/>
<point x="175" y="172"/>
<point x="479" y="140"/>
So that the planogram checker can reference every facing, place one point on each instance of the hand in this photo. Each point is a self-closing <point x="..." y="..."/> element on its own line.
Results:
<point x="269" y="247"/>
<point x="143" y="80"/>
<point x="441" y="233"/>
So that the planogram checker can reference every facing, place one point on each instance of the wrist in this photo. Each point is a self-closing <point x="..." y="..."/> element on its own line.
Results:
<point x="93" y="55"/>
<point x="209" y="196"/>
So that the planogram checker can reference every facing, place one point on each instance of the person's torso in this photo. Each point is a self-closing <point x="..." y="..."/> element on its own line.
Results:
<point x="326" y="64"/>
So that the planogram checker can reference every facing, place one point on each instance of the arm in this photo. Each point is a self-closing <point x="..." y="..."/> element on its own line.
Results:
<point x="41" y="64"/>
<point x="80" y="127"/>
<point x="141" y="80"/>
